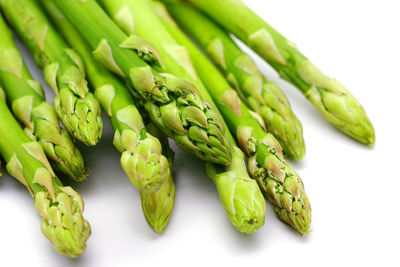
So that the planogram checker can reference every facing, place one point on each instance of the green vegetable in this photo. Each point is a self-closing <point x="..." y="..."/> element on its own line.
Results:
<point x="330" y="97"/>
<point x="157" y="206"/>
<point x="142" y="158"/>
<point x="263" y="96"/>
<point x="278" y="181"/>
<point x="63" y="70"/>
<point x="28" y="104"/>
<point x="60" y="206"/>
<point x="239" y="194"/>
<point x="174" y="104"/>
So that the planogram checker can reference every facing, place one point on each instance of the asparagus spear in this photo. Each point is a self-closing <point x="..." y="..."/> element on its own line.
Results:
<point x="329" y="96"/>
<point x="157" y="206"/>
<point x="263" y="96"/>
<point x="141" y="159"/>
<point x="239" y="194"/>
<point x="77" y="109"/>
<point x="60" y="206"/>
<point x="174" y="104"/>
<point x="281" y="185"/>
<point x="28" y="104"/>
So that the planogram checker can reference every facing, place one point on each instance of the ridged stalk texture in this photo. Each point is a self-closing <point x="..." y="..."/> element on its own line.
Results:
<point x="63" y="70"/>
<point x="146" y="160"/>
<point x="281" y="185"/>
<point x="174" y="104"/>
<point x="27" y="101"/>
<point x="239" y="194"/>
<point x="330" y="97"/>
<point x="261" y="95"/>
<point x="59" y="206"/>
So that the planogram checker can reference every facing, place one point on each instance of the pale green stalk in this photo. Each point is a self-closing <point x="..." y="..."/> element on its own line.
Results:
<point x="60" y="206"/>
<point x="173" y="104"/>
<point x="239" y="194"/>
<point x="63" y="70"/>
<point x="261" y="95"/>
<point x="330" y="97"/>
<point x="279" y="182"/>
<point x="26" y="98"/>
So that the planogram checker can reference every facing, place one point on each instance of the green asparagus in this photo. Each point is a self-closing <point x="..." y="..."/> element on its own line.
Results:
<point x="279" y="182"/>
<point x="60" y="206"/>
<point x="263" y="96"/>
<point x="157" y="206"/>
<point x="63" y="70"/>
<point x="28" y="105"/>
<point x="329" y="96"/>
<point x="174" y="104"/>
<point x="239" y="194"/>
<point x="141" y="157"/>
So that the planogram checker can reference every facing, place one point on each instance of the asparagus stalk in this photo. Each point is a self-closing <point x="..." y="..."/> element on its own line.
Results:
<point x="261" y="95"/>
<point x="174" y="104"/>
<point x="239" y="194"/>
<point x="142" y="158"/>
<point x="281" y="185"/>
<point x="330" y="97"/>
<point x="28" y="104"/>
<point x="60" y="206"/>
<point x="157" y="206"/>
<point x="77" y="109"/>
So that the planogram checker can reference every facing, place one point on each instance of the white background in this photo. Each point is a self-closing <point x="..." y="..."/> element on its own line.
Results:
<point x="353" y="189"/>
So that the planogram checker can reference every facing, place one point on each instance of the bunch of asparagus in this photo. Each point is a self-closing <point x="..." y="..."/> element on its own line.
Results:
<point x="153" y="83"/>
